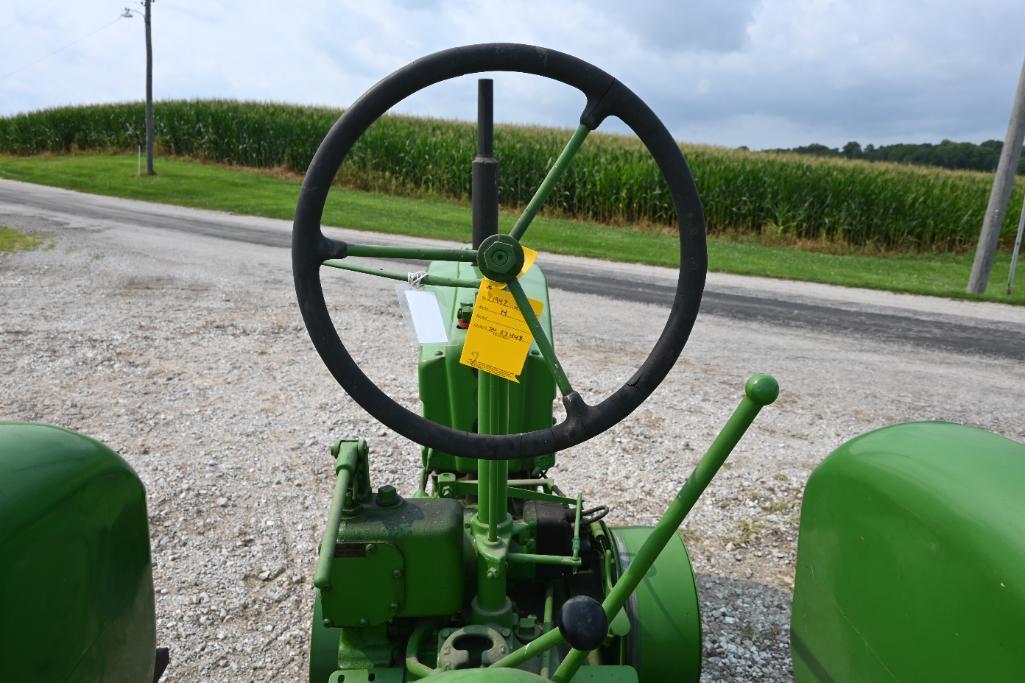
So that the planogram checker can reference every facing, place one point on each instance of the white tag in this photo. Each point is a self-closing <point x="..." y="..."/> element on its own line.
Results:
<point x="425" y="313"/>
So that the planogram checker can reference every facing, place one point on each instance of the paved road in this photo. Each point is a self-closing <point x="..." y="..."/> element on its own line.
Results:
<point x="986" y="329"/>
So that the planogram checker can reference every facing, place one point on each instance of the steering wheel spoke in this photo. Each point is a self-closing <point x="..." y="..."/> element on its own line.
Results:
<point x="548" y="184"/>
<point x="576" y="407"/>
<point x="423" y="279"/>
<point x="544" y="344"/>
<point x="414" y="253"/>
<point x="330" y="248"/>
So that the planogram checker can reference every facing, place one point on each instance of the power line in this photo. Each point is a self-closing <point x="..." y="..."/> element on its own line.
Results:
<point x="61" y="48"/>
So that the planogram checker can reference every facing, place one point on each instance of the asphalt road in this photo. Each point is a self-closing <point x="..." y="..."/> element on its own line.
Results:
<point x="974" y="328"/>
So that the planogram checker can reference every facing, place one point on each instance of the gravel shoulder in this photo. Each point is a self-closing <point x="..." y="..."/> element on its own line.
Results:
<point x="186" y="354"/>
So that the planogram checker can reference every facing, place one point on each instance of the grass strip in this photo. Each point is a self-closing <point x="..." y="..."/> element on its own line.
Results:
<point x="14" y="240"/>
<point x="189" y="183"/>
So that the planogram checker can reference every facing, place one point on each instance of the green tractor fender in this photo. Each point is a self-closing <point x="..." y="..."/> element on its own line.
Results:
<point x="910" y="557"/>
<point x="76" y="585"/>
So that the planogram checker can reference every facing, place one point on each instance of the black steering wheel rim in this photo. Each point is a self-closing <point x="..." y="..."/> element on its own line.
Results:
<point x="605" y="96"/>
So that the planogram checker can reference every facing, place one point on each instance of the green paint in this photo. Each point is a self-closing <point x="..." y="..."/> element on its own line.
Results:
<point x="541" y="338"/>
<point x="414" y="666"/>
<point x="662" y="616"/>
<point x="501" y="258"/>
<point x="429" y="280"/>
<point x="587" y="674"/>
<point x="578" y="509"/>
<point x="468" y="487"/>
<point x="387" y="560"/>
<point x="364" y="654"/>
<point x="323" y="646"/>
<point x="548" y="184"/>
<point x="418" y="253"/>
<point x="532" y="558"/>
<point x="910" y="557"/>
<point x="76" y="588"/>
<point x="345" y="467"/>
<point x="376" y="674"/>
<point x="759" y="391"/>
<point x="448" y="389"/>
<point x="492" y="418"/>
<point x="493" y="529"/>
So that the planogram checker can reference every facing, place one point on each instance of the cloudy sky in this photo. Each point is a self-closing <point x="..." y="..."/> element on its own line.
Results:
<point x="761" y="73"/>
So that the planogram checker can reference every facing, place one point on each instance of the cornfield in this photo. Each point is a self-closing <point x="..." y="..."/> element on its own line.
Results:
<point x="612" y="179"/>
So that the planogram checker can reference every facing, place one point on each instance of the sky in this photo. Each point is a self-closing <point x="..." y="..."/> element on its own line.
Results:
<point x="757" y="73"/>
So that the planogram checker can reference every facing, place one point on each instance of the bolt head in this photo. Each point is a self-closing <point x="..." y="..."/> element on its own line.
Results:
<point x="387" y="496"/>
<point x="500" y="258"/>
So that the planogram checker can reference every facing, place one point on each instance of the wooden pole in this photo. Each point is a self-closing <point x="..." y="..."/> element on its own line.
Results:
<point x="1003" y="183"/>
<point x="1017" y="248"/>
<point x="149" y="93"/>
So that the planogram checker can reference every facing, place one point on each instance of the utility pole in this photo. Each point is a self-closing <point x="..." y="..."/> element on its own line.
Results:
<point x="149" y="93"/>
<point x="128" y="14"/>
<point x="1003" y="183"/>
<point x="1017" y="248"/>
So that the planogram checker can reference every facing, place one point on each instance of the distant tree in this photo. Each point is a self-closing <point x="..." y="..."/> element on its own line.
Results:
<point x="815" y="149"/>
<point x="948" y="154"/>
<point x="852" y="150"/>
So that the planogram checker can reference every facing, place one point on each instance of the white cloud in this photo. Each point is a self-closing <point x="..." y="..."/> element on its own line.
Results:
<point x="759" y="73"/>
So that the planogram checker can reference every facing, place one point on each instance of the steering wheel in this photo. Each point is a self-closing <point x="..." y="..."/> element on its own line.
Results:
<point x="605" y="97"/>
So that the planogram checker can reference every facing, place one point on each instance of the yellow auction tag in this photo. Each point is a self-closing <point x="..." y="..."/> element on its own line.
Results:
<point x="498" y="338"/>
<point x="529" y="256"/>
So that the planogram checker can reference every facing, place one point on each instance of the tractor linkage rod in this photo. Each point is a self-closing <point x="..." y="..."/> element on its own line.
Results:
<point x="760" y="391"/>
<point x="532" y="558"/>
<point x="345" y="467"/>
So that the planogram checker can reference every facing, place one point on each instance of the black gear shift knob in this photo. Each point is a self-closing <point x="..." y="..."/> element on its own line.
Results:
<point x="582" y="622"/>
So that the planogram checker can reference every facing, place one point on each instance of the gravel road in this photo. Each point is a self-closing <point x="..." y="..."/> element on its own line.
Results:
<point x="186" y="354"/>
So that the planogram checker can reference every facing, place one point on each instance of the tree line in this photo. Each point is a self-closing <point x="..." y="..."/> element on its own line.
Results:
<point x="948" y="154"/>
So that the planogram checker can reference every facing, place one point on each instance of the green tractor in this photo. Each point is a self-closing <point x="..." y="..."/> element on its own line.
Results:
<point x="911" y="560"/>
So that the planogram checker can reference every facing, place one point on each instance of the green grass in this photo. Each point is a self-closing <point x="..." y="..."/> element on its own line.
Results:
<point x="189" y="183"/>
<point x="14" y="240"/>
<point x="612" y="179"/>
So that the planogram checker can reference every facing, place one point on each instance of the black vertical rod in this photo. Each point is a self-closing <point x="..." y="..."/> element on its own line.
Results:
<point x="484" y="187"/>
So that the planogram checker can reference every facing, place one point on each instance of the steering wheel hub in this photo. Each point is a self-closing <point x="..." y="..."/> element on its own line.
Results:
<point x="500" y="258"/>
